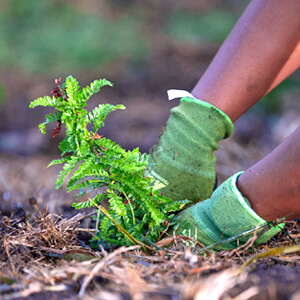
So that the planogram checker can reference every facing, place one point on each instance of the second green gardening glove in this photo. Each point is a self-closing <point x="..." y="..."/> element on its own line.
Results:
<point x="226" y="214"/>
<point x="183" y="157"/>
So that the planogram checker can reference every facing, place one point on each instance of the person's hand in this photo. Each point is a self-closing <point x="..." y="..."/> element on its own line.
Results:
<point x="183" y="157"/>
<point x="226" y="214"/>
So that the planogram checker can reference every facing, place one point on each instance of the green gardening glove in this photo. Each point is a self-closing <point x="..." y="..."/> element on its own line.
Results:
<point x="226" y="214"/>
<point x="183" y="157"/>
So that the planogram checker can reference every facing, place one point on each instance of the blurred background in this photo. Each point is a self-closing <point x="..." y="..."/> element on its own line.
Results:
<point x="144" y="48"/>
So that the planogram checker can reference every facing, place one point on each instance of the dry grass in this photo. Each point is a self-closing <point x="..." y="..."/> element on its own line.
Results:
<point x="43" y="252"/>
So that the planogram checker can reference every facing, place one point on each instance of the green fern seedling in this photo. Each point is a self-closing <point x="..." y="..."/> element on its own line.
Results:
<point x="136" y="208"/>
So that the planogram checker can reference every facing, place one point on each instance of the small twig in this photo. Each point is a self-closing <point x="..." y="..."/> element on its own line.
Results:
<point x="266" y="225"/>
<point x="249" y="243"/>
<point x="274" y="251"/>
<point x="104" y="262"/>
<point x="289" y="236"/>
<point x="163" y="232"/>
<point x="90" y="230"/>
<point x="131" y="208"/>
<point x="8" y="255"/>
<point x="148" y="229"/>
<point x="173" y="239"/>
<point x="98" y="218"/>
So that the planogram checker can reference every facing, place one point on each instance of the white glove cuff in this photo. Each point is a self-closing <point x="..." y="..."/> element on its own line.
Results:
<point x="174" y="94"/>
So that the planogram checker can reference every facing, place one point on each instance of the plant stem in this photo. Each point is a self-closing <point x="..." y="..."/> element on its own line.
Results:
<point x="98" y="218"/>
<point x="133" y="216"/>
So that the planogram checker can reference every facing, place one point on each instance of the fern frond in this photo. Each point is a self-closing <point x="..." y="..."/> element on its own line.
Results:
<point x="127" y="166"/>
<point x="58" y="161"/>
<point x="111" y="149"/>
<point x="67" y="169"/>
<point x="84" y="148"/>
<point x="79" y="186"/>
<point x="49" y="119"/>
<point x="85" y="93"/>
<point x="105" y="225"/>
<point x="144" y="158"/>
<point x="176" y="205"/>
<point x="156" y="215"/>
<point x="99" y="114"/>
<point x="85" y="186"/>
<point x="84" y="204"/>
<point x="116" y="203"/>
<point x="43" y="101"/>
<point x="88" y="169"/>
<point x="69" y="143"/>
<point x="96" y="85"/>
<point x="72" y="86"/>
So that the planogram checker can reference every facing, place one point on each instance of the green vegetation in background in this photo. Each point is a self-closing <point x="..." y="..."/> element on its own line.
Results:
<point x="48" y="36"/>
<point x="271" y="104"/>
<point x="2" y="94"/>
<point x="212" y="26"/>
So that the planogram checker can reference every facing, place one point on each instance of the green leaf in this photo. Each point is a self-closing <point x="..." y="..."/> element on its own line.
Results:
<point x="72" y="87"/>
<point x="43" y="101"/>
<point x="67" y="169"/>
<point x="99" y="114"/>
<point x="84" y="204"/>
<point x="116" y="203"/>
<point x="84" y="148"/>
<point x="49" y="119"/>
<point x="57" y="161"/>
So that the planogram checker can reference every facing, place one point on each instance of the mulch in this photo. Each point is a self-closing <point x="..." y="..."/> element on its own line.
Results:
<point x="43" y="254"/>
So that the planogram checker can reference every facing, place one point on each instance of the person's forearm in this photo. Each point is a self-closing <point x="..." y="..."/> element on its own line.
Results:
<point x="272" y="185"/>
<point x="292" y="64"/>
<point x="251" y="59"/>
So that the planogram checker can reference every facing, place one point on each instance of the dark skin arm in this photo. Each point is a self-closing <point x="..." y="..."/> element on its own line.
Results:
<point x="261" y="51"/>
